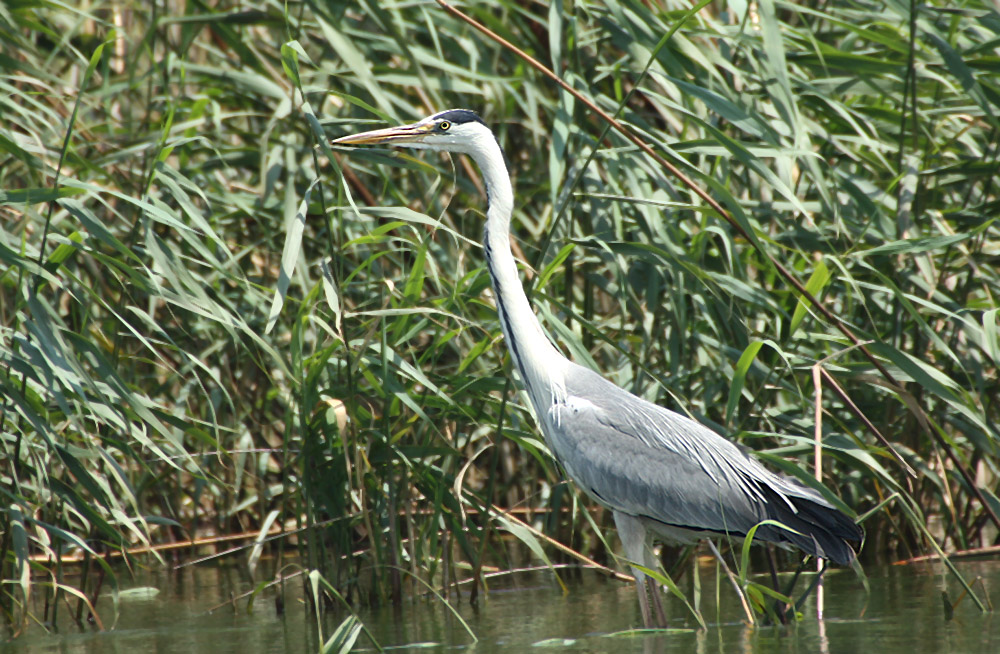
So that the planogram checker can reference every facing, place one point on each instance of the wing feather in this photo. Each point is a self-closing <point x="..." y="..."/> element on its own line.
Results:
<point x="641" y="459"/>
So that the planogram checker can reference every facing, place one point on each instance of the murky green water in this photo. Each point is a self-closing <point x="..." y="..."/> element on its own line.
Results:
<point x="904" y="613"/>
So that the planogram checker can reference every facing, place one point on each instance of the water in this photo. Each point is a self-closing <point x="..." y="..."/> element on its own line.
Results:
<point x="904" y="613"/>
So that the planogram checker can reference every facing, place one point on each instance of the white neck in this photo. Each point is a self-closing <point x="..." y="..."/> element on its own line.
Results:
<point x="540" y="364"/>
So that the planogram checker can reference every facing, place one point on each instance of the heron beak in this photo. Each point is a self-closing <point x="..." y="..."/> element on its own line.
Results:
<point x="392" y="135"/>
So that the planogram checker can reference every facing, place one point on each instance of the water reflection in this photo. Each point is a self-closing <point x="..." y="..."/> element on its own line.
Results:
<point x="903" y="613"/>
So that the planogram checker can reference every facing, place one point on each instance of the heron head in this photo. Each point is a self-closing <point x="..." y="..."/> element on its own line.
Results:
<point x="454" y="130"/>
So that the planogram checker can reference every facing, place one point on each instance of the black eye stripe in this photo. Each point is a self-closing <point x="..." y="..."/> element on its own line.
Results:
<point x="458" y="116"/>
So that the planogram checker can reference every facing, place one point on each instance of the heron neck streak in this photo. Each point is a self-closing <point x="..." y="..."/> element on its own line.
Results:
<point x="540" y="364"/>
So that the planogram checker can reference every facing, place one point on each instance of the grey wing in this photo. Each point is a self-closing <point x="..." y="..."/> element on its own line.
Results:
<point x="643" y="460"/>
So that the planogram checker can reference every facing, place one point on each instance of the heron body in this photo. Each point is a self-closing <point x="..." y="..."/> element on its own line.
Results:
<point x="661" y="473"/>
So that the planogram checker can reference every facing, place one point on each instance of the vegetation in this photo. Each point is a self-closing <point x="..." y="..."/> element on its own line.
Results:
<point x="209" y="325"/>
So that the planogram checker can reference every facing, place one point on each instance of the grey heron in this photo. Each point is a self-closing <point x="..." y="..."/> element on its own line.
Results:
<point x="661" y="473"/>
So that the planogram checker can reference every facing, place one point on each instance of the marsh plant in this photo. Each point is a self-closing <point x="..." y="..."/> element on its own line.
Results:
<point x="213" y="325"/>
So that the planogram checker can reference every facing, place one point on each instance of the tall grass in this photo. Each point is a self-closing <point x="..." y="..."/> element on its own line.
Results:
<point x="162" y="186"/>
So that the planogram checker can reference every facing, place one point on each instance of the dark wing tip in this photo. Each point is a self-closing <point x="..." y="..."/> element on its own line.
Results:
<point x="823" y="530"/>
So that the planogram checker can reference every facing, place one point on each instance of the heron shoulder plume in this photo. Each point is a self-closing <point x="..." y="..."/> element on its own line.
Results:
<point x="662" y="475"/>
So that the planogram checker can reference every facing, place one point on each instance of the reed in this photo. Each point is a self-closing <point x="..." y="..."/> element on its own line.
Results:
<point x="209" y="325"/>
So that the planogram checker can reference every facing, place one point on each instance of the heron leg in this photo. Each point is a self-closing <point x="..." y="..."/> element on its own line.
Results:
<point x="640" y="589"/>
<point x="654" y="590"/>
<point x="635" y="543"/>
<point x="780" y="608"/>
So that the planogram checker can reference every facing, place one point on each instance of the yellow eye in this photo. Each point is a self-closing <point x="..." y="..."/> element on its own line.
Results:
<point x="444" y="125"/>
